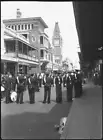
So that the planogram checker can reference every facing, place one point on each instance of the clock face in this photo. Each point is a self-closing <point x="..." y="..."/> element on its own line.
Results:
<point x="33" y="38"/>
<point x="56" y="42"/>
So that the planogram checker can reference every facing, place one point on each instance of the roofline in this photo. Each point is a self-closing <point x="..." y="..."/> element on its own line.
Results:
<point x="25" y="19"/>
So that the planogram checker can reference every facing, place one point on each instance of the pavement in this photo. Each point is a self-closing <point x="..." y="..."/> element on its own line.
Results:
<point x="33" y="121"/>
<point x="85" y="116"/>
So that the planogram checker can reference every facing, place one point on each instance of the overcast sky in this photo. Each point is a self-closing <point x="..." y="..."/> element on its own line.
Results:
<point x="51" y="12"/>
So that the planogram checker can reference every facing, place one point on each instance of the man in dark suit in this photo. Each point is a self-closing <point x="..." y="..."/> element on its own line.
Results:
<point x="77" y="85"/>
<point x="69" y="86"/>
<point x="13" y="81"/>
<point x="47" y="81"/>
<point x="58" y="83"/>
<point x="64" y="80"/>
<point x="20" y="81"/>
<point x="32" y="83"/>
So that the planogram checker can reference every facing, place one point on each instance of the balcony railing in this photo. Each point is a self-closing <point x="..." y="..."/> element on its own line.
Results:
<point x="45" y="59"/>
<point x="28" y="57"/>
<point x="10" y="54"/>
<point x="13" y="54"/>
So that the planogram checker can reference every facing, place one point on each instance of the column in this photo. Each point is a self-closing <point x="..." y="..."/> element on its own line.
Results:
<point x="16" y="68"/>
<point x="16" y="50"/>
<point x="22" y="48"/>
<point x="5" y="67"/>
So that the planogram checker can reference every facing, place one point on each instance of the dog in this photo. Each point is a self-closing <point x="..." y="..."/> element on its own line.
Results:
<point x="61" y="126"/>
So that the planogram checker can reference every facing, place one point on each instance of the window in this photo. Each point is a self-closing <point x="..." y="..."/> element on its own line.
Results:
<point x="15" y="27"/>
<point x="32" y="26"/>
<point x="29" y="26"/>
<point x="41" y="53"/>
<point x="18" y="27"/>
<point x="22" y="27"/>
<point x="25" y="35"/>
<point x="25" y="26"/>
<point x="41" y="39"/>
<point x="12" y="27"/>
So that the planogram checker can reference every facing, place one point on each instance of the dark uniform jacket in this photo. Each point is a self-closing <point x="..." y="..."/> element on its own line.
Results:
<point x="58" y="80"/>
<point x="47" y="81"/>
<point x="32" y="82"/>
<point x="20" y="80"/>
<point x="69" y="81"/>
<point x="7" y="83"/>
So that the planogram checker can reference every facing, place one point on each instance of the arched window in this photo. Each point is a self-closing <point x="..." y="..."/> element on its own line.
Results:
<point x="12" y="27"/>
<point x="41" y="39"/>
<point x="15" y="27"/>
<point x="32" y="26"/>
<point x="22" y="27"/>
<point x="25" y="26"/>
<point x="18" y="27"/>
<point x="29" y="26"/>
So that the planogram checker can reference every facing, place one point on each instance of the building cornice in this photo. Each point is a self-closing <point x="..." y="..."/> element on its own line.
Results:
<point x="31" y="19"/>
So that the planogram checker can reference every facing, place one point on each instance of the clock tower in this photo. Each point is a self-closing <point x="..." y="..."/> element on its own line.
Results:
<point x="57" y="44"/>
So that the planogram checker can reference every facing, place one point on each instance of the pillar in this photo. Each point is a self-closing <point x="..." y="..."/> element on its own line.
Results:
<point x="16" y="68"/>
<point x="5" y="67"/>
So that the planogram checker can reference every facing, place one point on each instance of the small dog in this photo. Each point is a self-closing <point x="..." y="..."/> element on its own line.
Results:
<point x="61" y="126"/>
<point x="13" y="96"/>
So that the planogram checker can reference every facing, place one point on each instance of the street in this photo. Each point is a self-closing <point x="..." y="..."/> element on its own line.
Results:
<point x="31" y="121"/>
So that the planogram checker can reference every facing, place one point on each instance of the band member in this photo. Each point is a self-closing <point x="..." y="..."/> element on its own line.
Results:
<point x="40" y="80"/>
<point x="64" y="80"/>
<point x="37" y="83"/>
<point x="32" y="82"/>
<point x="20" y="80"/>
<point x="79" y="83"/>
<point x="52" y="78"/>
<point x="47" y="87"/>
<point x="58" y="83"/>
<point x="13" y="81"/>
<point x="76" y="85"/>
<point x="69" y="87"/>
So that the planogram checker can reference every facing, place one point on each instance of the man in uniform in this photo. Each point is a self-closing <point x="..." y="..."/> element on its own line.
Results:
<point x="47" y="81"/>
<point x="79" y="82"/>
<point x="13" y="80"/>
<point x="69" y="86"/>
<point x="20" y="80"/>
<point x="32" y="83"/>
<point x="58" y="83"/>
<point x="64" y="80"/>
<point x="77" y="85"/>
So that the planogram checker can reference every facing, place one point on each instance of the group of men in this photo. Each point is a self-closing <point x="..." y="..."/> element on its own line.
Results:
<point x="21" y="82"/>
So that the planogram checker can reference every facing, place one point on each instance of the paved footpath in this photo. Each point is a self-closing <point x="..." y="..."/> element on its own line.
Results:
<point x="33" y="121"/>
<point x="85" y="117"/>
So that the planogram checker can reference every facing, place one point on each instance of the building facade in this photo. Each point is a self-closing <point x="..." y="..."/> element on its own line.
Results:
<point x="32" y="31"/>
<point x="16" y="53"/>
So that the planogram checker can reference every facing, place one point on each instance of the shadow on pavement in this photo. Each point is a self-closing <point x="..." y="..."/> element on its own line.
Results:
<point x="32" y="125"/>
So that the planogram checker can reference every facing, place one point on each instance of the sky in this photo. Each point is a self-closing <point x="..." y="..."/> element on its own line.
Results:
<point x="51" y="12"/>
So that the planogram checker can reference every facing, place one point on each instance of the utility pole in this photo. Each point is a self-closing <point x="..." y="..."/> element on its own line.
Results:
<point x="39" y="55"/>
<point x="16" y="50"/>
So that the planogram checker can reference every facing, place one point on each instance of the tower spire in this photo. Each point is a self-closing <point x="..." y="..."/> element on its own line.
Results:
<point x="56" y="30"/>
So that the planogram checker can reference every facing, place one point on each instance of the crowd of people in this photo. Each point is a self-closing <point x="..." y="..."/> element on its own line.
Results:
<point x="34" y="82"/>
